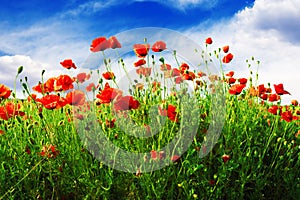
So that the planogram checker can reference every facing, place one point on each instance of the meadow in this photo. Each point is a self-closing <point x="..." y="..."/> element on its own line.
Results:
<point x="231" y="138"/>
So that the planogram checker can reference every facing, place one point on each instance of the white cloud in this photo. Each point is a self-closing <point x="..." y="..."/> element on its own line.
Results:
<point x="93" y="6"/>
<point x="262" y="32"/>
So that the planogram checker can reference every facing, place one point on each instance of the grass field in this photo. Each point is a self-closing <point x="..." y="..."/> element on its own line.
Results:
<point x="51" y="146"/>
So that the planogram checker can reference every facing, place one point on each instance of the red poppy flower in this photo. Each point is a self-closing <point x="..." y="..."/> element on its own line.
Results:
<point x="184" y="67"/>
<point x="47" y="87"/>
<point x="230" y="74"/>
<point x="274" y="109"/>
<point x="126" y="103"/>
<point x="10" y="110"/>
<point x="188" y="76"/>
<point x="236" y="89"/>
<point x="172" y="73"/>
<point x="75" y="98"/>
<point x="231" y="80"/>
<point x="175" y="158"/>
<point x="208" y="41"/>
<point x="146" y="71"/>
<point x="227" y="58"/>
<point x="139" y="63"/>
<point x="91" y="87"/>
<point x="273" y="97"/>
<point x="4" y="91"/>
<point x="155" y="85"/>
<point x="108" y="75"/>
<point x="114" y="43"/>
<point x="2" y="132"/>
<point x="225" y="158"/>
<point x="99" y="44"/>
<point x="162" y="111"/>
<point x="81" y="77"/>
<point x="243" y="80"/>
<point x="172" y="114"/>
<point x="225" y="49"/>
<point x="261" y="89"/>
<point x="68" y="64"/>
<point x="287" y="116"/>
<point x="63" y="83"/>
<point x="52" y="101"/>
<point x="201" y="74"/>
<point x="165" y="67"/>
<point x="141" y="50"/>
<point x="108" y="94"/>
<point x="263" y="96"/>
<point x="294" y="102"/>
<point x="153" y="154"/>
<point x="158" y="46"/>
<point x="50" y="151"/>
<point x="279" y="89"/>
<point x="178" y="80"/>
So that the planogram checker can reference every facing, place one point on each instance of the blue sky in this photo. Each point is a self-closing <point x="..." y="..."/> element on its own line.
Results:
<point x="42" y="33"/>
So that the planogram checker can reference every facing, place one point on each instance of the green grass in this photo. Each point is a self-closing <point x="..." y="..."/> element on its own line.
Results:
<point x="264" y="151"/>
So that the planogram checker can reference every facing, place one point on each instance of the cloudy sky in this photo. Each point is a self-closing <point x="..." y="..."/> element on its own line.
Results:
<point x="40" y="34"/>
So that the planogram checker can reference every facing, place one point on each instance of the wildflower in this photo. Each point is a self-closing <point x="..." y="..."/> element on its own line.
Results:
<point x="165" y="67"/>
<point x="50" y="151"/>
<point x="230" y="74"/>
<point x="263" y="96"/>
<point x="274" y="109"/>
<point x="91" y="87"/>
<point x="279" y="89"/>
<point x="261" y="89"/>
<point x="155" y="155"/>
<point x="172" y="114"/>
<point x="188" y="76"/>
<point x="141" y="50"/>
<point x="108" y="75"/>
<point x="126" y="103"/>
<point x="225" y="158"/>
<point x="81" y="77"/>
<point x="108" y="94"/>
<point x="208" y="40"/>
<point x="139" y="63"/>
<point x="158" y="46"/>
<point x="183" y="67"/>
<point x="225" y="49"/>
<point x="273" y="97"/>
<point x="10" y="110"/>
<point x="52" y="101"/>
<point x="146" y="71"/>
<point x="68" y="64"/>
<point x="47" y="87"/>
<point x="175" y="158"/>
<point x="114" y="43"/>
<point x="75" y="98"/>
<point x="100" y="44"/>
<point x="231" y="80"/>
<point x="2" y="132"/>
<point x="236" y="89"/>
<point x="287" y="116"/>
<point x="63" y="83"/>
<point x="227" y="58"/>
<point x="4" y="91"/>
<point x="243" y="80"/>
<point x="294" y="102"/>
